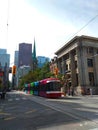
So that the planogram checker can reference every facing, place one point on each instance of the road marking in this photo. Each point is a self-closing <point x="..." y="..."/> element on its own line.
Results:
<point x="28" y="112"/>
<point x="94" y="129"/>
<point x="24" y="98"/>
<point x="17" y="99"/>
<point x="3" y="113"/>
<point x="58" y="109"/>
<point x="10" y="99"/>
<point x="9" y="118"/>
<point x="87" y="109"/>
<point x="13" y="107"/>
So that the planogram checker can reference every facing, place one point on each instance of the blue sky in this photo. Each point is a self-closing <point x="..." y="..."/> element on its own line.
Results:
<point x="51" y="22"/>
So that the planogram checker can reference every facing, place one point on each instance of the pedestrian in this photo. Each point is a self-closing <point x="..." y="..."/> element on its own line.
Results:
<point x="91" y="91"/>
<point x="3" y="93"/>
<point x="72" y="91"/>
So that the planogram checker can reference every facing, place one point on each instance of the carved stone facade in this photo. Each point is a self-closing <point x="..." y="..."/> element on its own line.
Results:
<point x="54" y="65"/>
<point x="79" y="59"/>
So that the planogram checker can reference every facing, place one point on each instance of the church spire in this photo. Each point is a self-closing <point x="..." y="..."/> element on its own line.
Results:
<point x="34" y="59"/>
<point x="34" y="51"/>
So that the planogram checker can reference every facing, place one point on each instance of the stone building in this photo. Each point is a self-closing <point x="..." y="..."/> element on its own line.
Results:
<point x="78" y="61"/>
<point x="53" y="65"/>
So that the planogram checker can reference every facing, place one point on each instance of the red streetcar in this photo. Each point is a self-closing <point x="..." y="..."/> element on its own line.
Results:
<point x="50" y="88"/>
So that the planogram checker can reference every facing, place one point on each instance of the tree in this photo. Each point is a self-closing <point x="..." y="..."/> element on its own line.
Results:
<point x="36" y="75"/>
<point x="30" y="77"/>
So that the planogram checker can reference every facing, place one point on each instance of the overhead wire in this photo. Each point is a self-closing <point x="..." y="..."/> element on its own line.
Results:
<point x="84" y="26"/>
<point x="67" y="39"/>
<point x="7" y="26"/>
<point x="81" y="28"/>
<point x="8" y="11"/>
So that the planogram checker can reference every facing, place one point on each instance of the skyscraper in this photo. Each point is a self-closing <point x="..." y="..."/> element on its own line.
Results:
<point x="4" y="58"/>
<point x="25" y="54"/>
<point x="42" y="60"/>
<point x="4" y="67"/>
<point x="16" y="58"/>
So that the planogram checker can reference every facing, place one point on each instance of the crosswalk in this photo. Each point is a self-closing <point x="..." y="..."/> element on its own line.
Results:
<point x="16" y="99"/>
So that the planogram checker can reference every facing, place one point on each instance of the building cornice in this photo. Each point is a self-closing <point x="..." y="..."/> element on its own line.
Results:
<point x="76" y="39"/>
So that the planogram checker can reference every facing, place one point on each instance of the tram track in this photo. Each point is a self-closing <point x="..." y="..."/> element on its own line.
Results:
<point x="60" y="107"/>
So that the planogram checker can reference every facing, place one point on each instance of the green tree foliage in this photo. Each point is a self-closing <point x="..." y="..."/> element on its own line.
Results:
<point x="30" y="77"/>
<point x="38" y="74"/>
<point x="45" y="71"/>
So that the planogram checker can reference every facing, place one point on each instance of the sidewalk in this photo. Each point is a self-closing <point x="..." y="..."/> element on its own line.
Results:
<point x="22" y="92"/>
<point x="67" y="96"/>
<point x="83" y="96"/>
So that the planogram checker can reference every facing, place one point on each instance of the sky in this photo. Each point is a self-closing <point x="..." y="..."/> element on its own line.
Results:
<point x="51" y="22"/>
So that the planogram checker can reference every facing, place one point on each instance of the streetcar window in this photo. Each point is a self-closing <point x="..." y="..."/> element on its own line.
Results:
<point x="47" y="86"/>
<point x="42" y="87"/>
<point x="56" y="86"/>
<point x="53" y="86"/>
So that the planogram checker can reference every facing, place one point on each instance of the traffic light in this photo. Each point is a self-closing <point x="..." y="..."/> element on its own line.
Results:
<point x="14" y="70"/>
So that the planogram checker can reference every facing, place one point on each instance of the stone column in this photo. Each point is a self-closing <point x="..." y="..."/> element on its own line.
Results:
<point x="79" y="66"/>
<point x="85" y="67"/>
<point x="82" y="66"/>
<point x="73" y="69"/>
<point x="59" y="65"/>
<point x="95" y="63"/>
<point x="63" y="65"/>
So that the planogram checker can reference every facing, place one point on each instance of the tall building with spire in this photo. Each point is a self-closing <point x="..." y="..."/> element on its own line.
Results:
<point x="34" y="59"/>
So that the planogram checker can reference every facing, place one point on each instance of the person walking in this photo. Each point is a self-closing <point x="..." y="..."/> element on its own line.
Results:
<point x="91" y="92"/>
<point x="72" y="91"/>
<point x="3" y="93"/>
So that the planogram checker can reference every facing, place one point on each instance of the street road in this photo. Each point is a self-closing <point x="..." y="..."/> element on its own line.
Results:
<point x="27" y="112"/>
